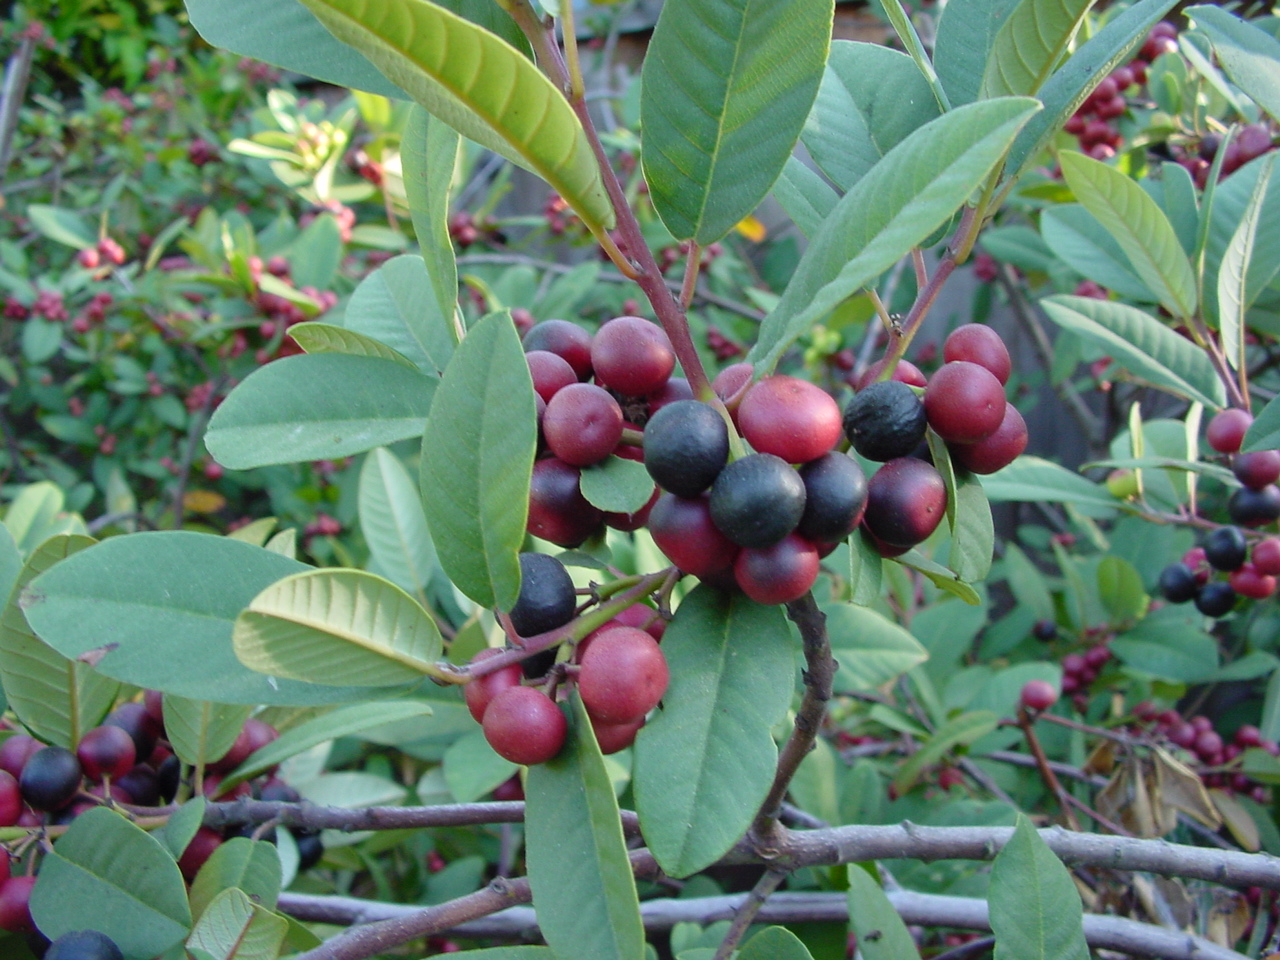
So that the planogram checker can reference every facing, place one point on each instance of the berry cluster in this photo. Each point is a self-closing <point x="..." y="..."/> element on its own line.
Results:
<point x="619" y="669"/>
<point x="1250" y="572"/>
<point x="1257" y="503"/>
<point x="964" y="404"/>
<point x="1213" y="750"/>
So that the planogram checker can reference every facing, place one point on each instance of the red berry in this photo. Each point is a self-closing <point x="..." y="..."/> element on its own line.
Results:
<point x="1248" y="582"/>
<point x="684" y="531"/>
<point x="979" y="344"/>
<point x="623" y="675"/>
<point x="906" y="500"/>
<point x="1039" y="695"/>
<point x="15" y="904"/>
<point x="780" y="573"/>
<point x="557" y="509"/>
<point x="1257" y="469"/>
<point x="1249" y="736"/>
<point x="790" y="418"/>
<point x="479" y="693"/>
<point x="613" y="737"/>
<point x="905" y="372"/>
<point x="15" y="751"/>
<point x="106" y="751"/>
<point x="731" y="382"/>
<point x="998" y="450"/>
<point x="524" y="726"/>
<point x="200" y="849"/>
<point x="582" y="424"/>
<point x="1265" y="557"/>
<point x="964" y="402"/>
<point x="567" y="340"/>
<point x="10" y="805"/>
<point x="632" y="356"/>
<point x="550" y="373"/>
<point x="1227" y="429"/>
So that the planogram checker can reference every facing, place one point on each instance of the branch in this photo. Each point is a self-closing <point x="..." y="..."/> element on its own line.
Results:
<point x="520" y="923"/>
<point x="819" y="679"/>
<point x="748" y="912"/>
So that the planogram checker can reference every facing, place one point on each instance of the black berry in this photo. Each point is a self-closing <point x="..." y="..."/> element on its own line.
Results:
<point x="884" y="421"/>
<point x="546" y="598"/>
<point x="758" y="500"/>
<point x="1178" y="583"/>
<point x="1226" y="548"/>
<point x="1215" y="599"/>
<point x="686" y="445"/>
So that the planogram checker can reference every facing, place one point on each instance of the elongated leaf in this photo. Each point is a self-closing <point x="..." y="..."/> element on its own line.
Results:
<point x="583" y="889"/>
<point x="704" y="762"/>
<point x="1264" y="432"/>
<point x="202" y="732"/>
<point x="466" y="76"/>
<point x="1120" y="589"/>
<point x="55" y="698"/>
<point x="725" y="89"/>
<point x="775" y="943"/>
<point x="472" y="768"/>
<point x="233" y="927"/>
<point x="1030" y="45"/>
<point x="1233" y="274"/>
<point x="429" y="155"/>
<point x="393" y="524"/>
<point x="967" y="31"/>
<point x="10" y="561"/>
<point x="33" y="515"/>
<point x="61" y="225"/>
<point x="871" y="912"/>
<point x="182" y="826"/>
<point x="959" y="731"/>
<point x="806" y="197"/>
<point x="109" y="875"/>
<point x="972" y="530"/>
<point x="317" y="337"/>
<point x="866" y="569"/>
<point x="1141" y="344"/>
<point x="252" y="866"/>
<point x="1033" y="480"/>
<point x="899" y="203"/>
<point x="342" y="722"/>
<point x="944" y="578"/>
<point x="1250" y="56"/>
<point x="1077" y="238"/>
<point x="1230" y="200"/>
<point x="477" y="457"/>
<point x="396" y="305"/>
<point x="318" y="406"/>
<point x="144" y="607"/>
<point x="1035" y="909"/>
<point x="1140" y="227"/>
<point x="1069" y="86"/>
<point x="337" y="626"/>
<point x="870" y="648"/>
<point x="617" y="485"/>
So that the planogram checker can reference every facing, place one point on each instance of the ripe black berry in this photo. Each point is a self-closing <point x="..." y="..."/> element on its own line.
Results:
<point x="83" y="945"/>
<point x="1254" y="508"/>
<point x="1215" y="599"/>
<point x="686" y="445"/>
<point x="1178" y="583"/>
<point x="758" y="500"/>
<point x="835" y="496"/>
<point x="885" y="421"/>
<point x="310" y="849"/>
<point x="51" y="778"/>
<point x="546" y="598"/>
<point x="1226" y="548"/>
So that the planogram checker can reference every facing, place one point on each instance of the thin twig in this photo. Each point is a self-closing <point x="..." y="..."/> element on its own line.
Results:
<point x="747" y="913"/>
<point x="1027" y="723"/>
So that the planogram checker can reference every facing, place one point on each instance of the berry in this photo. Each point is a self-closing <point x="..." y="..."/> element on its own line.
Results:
<point x="1248" y="582"/>
<point x="1045" y="631"/>
<point x="481" y="691"/>
<point x="792" y="419"/>
<point x="613" y="737"/>
<point x="673" y="391"/>
<point x="686" y="445"/>
<point x="904" y="372"/>
<point x="906" y="500"/>
<point x="1177" y="583"/>
<point x="51" y="778"/>
<point x="623" y="675"/>
<point x="1039" y="695"/>
<point x="310" y="847"/>
<point x="685" y="533"/>
<point x="89" y="258"/>
<point x="567" y="340"/>
<point x="10" y="804"/>
<point x="255" y="735"/>
<point x="835" y="496"/>
<point x="964" y="402"/>
<point x="1257" y="469"/>
<point x="135" y="721"/>
<point x="632" y="355"/>
<point x="758" y="500"/>
<point x="1227" y="429"/>
<point x="15" y="751"/>
<point x="1254" y="508"/>
<point x="979" y="344"/>
<point x="83" y="945"/>
<point x="200" y="849"/>
<point x="779" y="573"/>
<point x="1226" y="548"/>
<point x="142" y="784"/>
<point x="557" y="509"/>
<point x="1266" y="556"/>
<point x="884" y="421"/>
<point x="524" y="726"/>
<point x="15" y="904"/>
<point x="1252" y="141"/>
<point x="1215" y="599"/>
<point x="731" y="383"/>
<point x="106" y="751"/>
<point x="582" y="424"/>
<point x="551" y="373"/>
<point x="546" y="599"/>
<point x="998" y="450"/>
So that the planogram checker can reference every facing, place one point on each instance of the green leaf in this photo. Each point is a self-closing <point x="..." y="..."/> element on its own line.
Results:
<point x="233" y="927"/>
<point x="775" y="943"/>
<point x="617" y="485"/>
<point x="972" y="530"/>
<point x="815" y="788"/>
<point x="967" y="31"/>
<point x="10" y="561"/>
<point x="182" y="826"/>
<point x="1169" y="643"/>
<point x="57" y="699"/>
<point x="316" y="407"/>
<point x="1140" y="227"/>
<point x="393" y="524"/>
<point x="870" y="912"/>
<point x="1264" y="432"/>
<point x="897" y="205"/>
<point x="1077" y="238"/>
<point x="870" y="100"/>
<point x="396" y="304"/>
<point x="1233" y="273"/>
<point x="959" y="731"/>
<point x="941" y="577"/>
<point x="316" y="337"/>
<point x="61" y="225"/>
<point x="583" y="888"/>
<point x="725" y="90"/>
<point x="342" y="722"/>
<point x="472" y="768"/>
<point x="509" y="953"/>
<point x="866" y="569"/>
<point x="1035" y="908"/>
<point x="429" y="153"/>
<point x="870" y="649"/>
<point x="477" y="457"/>
<point x="705" y="761"/>
<point x="481" y="86"/>
<point x="315" y="255"/>
<point x="107" y="874"/>
<point x="1141" y="344"/>
<point x="1230" y="202"/>
<point x="252" y="866"/>
<point x="338" y="626"/>
<point x="1030" y="45"/>
<point x="1033" y="480"/>
<point x="1120" y="590"/>
<point x="36" y="514"/>
<point x="148" y="605"/>
<point x="804" y="195"/>
<point x="1250" y="56"/>
<point x="202" y="732"/>
<point x="1070" y="85"/>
